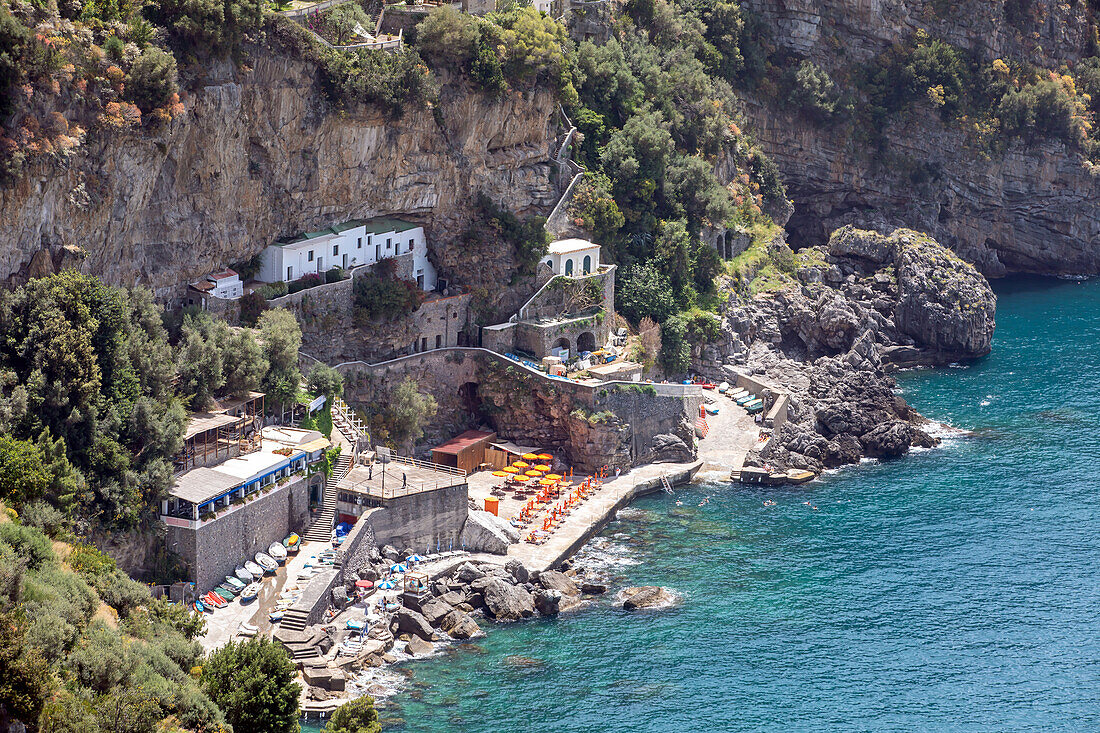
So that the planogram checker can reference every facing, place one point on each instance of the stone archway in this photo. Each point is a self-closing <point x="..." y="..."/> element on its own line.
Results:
<point x="562" y="343"/>
<point x="586" y="342"/>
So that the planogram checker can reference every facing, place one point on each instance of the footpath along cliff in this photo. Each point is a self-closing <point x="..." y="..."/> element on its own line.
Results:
<point x="851" y="311"/>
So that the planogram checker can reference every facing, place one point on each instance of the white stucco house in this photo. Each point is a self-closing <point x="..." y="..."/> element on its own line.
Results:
<point x="348" y="245"/>
<point x="573" y="257"/>
<point x="226" y="285"/>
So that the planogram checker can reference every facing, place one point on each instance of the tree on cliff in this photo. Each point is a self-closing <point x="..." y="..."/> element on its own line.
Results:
<point x="253" y="684"/>
<point x="282" y="338"/>
<point x="408" y="411"/>
<point x="324" y="380"/>
<point x="357" y="716"/>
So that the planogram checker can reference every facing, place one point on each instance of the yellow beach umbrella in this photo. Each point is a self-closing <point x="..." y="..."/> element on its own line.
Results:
<point x="553" y="476"/>
<point x="520" y="464"/>
<point x="521" y="479"/>
<point x="542" y="467"/>
<point x="534" y="474"/>
<point x="545" y="457"/>
<point x="530" y="456"/>
<point x="547" y="482"/>
<point x="510" y="469"/>
<point x="499" y="474"/>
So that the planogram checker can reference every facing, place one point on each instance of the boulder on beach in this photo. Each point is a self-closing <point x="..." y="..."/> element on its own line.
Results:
<point x="646" y="596"/>
<point x="391" y="553"/>
<point x="554" y="580"/>
<point x="517" y="570"/>
<point x="593" y="587"/>
<point x="407" y="621"/>
<point x="460" y="625"/>
<point x="434" y="611"/>
<point x="506" y="602"/>
<point x="468" y="573"/>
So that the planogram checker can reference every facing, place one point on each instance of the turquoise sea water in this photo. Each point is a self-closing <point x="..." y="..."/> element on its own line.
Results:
<point x="954" y="589"/>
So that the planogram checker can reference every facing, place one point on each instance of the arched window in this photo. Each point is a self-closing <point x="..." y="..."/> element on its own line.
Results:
<point x="569" y="266"/>
<point x="587" y="264"/>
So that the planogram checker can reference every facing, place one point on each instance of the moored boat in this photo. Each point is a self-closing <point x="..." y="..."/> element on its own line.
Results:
<point x="256" y="570"/>
<point x="244" y="574"/>
<point x="292" y="543"/>
<point x="235" y="582"/>
<point x="275" y="617"/>
<point x="225" y="594"/>
<point x="266" y="562"/>
<point x="250" y="592"/>
<point x="277" y="552"/>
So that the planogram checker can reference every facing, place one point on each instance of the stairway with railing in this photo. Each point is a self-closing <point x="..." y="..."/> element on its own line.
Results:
<point x="321" y="529"/>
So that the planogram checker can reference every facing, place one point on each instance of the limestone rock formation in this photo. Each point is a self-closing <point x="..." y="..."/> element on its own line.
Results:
<point x="460" y="625"/>
<point x="485" y="532"/>
<point x="151" y="209"/>
<point x="861" y="305"/>
<point x="554" y="580"/>
<point x="1030" y="208"/>
<point x="407" y="621"/>
<point x="646" y="596"/>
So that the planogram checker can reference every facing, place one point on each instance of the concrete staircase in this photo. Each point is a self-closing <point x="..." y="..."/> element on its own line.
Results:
<point x="321" y="529"/>
<point x="294" y="620"/>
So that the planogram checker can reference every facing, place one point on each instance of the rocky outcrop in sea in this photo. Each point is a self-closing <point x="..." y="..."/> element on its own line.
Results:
<point x="856" y="309"/>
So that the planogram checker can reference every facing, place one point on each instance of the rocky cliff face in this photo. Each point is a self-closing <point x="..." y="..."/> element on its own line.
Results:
<point x="1030" y="209"/>
<point x="260" y="155"/>
<point x="860" y="306"/>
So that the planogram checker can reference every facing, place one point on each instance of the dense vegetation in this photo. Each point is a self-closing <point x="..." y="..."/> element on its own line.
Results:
<point x="84" y="648"/>
<point x="94" y="387"/>
<point x="253" y="683"/>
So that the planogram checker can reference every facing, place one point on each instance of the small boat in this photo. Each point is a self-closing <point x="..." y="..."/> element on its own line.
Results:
<point x="256" y="570"/>
<point x="712" y="409"/>
<point x="244" y="574"/>
<point x="213" y="599"/>
<point x="250" y="592"/>
<point x="266" y="562"/>
<point x="277" y="552"/>
<point x="735" y="393"/>
<point x="227" y="595"/>
<point x="744" y="399"/>
<point x="292" y="543"/>
<point x="708" y="385"/>
<point x="235" y="582"/>
<point x="275" y="617"/>
<point x="247" y="629"/>
<point x="199" y="607"/>
<point x="723" y="387"/>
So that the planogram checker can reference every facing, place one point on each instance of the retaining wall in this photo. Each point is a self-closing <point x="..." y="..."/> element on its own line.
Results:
<point x="214" y="549"/>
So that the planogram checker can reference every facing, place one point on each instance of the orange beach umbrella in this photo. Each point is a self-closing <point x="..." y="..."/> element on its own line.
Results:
<point x="534" y="474"/>
<point x="547" y="482"/>
<point x="553" y="476"/>
<point x="530" y="456"/>
<point x="521" y="479"/>
<point x="510" y="469"/>
<point x="499" y="474"/>
<point x="520" y="464"/>
<point x="545" y="457"/>
<point x="542" y="467"/>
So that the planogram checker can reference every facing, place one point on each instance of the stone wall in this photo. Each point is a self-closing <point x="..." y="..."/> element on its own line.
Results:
<point x="427" y="522"/>
<point x="590" y="426"/>
<point x="213" y="550"/>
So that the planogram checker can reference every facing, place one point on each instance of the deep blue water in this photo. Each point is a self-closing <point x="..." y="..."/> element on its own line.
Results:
<point x="954" y="589"/>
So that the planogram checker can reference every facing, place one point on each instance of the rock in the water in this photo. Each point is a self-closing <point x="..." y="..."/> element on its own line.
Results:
<point x="516" y="569"/>
<point x="418" y="647"/>
<point x="507" y="602"/>
<point x="547" y="602"/>
<point x="408" y="621"/>
<point x="461" y="626"/>
<point x="592" y="587"/>
<point x="889" y="440"/>
<point x="554" y="580"/>
<point x="646" y="596"/>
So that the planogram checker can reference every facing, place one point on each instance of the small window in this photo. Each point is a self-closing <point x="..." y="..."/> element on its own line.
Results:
<point x="411" y="244"/>
<point x="569" y="266"/>
<point x="310" y="256"/>
<point x="438" y="341"/>
<point x="377" y="251"/>
<point x="424" y="344"/>
<point x="335" y="249"/>
<point x="360" y="243"/>
<point x="389" y="243"/>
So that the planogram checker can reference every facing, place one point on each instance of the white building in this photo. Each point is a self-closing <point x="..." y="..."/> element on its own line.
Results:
<point x="573" y="257"/>
<point x="348" y="245"/>
<point x="226" y="285"/>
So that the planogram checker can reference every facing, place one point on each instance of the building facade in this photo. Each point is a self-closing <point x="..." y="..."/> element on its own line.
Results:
<point x="573" y="257"/>
<point x="351" y="244"/>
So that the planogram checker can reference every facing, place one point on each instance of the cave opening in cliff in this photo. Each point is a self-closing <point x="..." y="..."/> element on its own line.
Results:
<point x="471" y="401"/>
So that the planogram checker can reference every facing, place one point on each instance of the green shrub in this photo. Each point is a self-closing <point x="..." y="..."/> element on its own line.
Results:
<point x="377" y="296"/>
<point x="252" y="304"/>
<point x="90" y="562"/>
<point x="28" y="543"/>
<point x="152" y="79"/>
<point x="114" y="47"/>
<point x="270" y="291"/>
<point x="813" y="92"/>
<point x="336" y="274"/>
